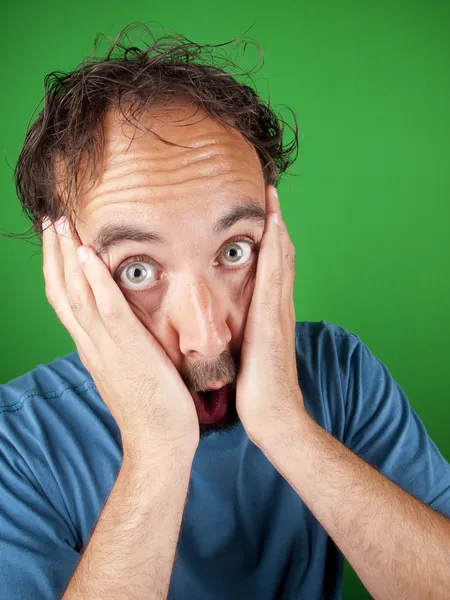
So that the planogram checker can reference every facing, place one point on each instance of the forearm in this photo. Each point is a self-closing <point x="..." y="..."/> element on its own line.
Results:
<point x="131" y="552"/>
<point x="399" y="547"/>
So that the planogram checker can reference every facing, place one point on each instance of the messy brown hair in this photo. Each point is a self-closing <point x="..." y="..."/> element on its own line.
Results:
<point x="69" y="129"/>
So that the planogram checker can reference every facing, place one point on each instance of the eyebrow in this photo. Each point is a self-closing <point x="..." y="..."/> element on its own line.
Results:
<point x="113" y="234"/>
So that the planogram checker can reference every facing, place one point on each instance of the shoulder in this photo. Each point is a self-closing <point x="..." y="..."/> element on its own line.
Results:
<point x="324" y="336"/>
<point x="52" y="407"/>
<point x="43" y="386"/>
<point x="324" y="354"/>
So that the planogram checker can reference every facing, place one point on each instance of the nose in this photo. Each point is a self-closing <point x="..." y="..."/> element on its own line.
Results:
<point x="199" y="314"/>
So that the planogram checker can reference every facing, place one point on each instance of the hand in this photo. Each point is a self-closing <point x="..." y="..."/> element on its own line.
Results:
<point x="133" y="374"/>
<point x="267" y="389"/>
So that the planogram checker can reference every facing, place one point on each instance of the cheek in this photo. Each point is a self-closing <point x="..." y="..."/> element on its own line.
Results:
<point x="146" y="307"/>
<point x="240" y="288"/>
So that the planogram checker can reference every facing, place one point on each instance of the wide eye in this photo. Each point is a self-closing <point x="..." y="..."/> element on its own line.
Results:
<point x="137" y="274"/>
<point x="238" y="252"/>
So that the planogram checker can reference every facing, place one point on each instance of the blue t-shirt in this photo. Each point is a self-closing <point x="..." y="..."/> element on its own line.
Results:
<point x="245" y="534"/>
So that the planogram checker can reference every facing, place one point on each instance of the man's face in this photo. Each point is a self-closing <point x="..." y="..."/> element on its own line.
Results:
<point x="192" y="288"/>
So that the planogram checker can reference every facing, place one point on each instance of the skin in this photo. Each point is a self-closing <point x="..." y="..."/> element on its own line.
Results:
<point x="377" y="518"/>
<point x="195" y="299"/>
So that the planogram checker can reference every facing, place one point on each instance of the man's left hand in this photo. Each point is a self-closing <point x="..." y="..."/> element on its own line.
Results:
<point x="268" y="395"/>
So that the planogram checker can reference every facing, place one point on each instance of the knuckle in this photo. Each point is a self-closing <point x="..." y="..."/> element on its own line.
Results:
<point x="123" y="338"/>
<point x="276" y="279"/>
<point x="109" y="311"/>
<point x="290" y="261"/>
<point x="76" y="303"/>
<point x="110" y="315"/>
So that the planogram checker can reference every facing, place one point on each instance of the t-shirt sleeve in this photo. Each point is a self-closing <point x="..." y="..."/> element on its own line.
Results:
<point x="382" y="428"/>
<point x="37" y="547"/>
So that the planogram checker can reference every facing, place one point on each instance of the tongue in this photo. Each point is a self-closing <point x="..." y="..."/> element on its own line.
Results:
<point x="215" y="408"/>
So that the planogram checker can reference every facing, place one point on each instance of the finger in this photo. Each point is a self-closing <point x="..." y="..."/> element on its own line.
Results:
<point x="120" y="322"/>
<point x="55" y="288"/>
<point x="268" y="284"/>
<point x="80" y="297"/>
<point x="288" y="258"/>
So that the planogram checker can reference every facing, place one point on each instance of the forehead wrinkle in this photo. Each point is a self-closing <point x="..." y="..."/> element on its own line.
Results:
<point x="186" y="156"/>
<point x="216" y="151"/>
<point x="147" y="170"/>
<point x="191" y="137"/>
<point x="191" y="150"/>
<point x="209" y="180"/>
<point x="172" y="174"/>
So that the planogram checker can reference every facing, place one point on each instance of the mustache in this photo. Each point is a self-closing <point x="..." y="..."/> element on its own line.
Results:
<point x="204" y="374"/>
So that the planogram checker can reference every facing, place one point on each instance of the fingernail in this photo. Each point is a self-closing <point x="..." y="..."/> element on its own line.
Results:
<point x="275" y="218"/>
<point x="61" y="225"/>
<point x="46" y="222"/>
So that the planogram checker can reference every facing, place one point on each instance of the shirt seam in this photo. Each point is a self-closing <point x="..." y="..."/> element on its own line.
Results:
<point x="59" y="391"/>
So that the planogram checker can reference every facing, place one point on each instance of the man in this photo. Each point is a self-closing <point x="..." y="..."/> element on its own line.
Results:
<point x="201" y="443"/>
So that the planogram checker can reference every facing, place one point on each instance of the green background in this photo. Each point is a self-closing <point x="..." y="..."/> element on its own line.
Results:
<point x="368" y="210"/>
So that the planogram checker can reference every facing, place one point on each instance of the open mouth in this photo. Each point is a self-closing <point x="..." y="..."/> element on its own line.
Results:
<point x="212" y="405"/>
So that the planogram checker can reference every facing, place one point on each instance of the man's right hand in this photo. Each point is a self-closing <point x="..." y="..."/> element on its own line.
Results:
<point x="133" y="374"/>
